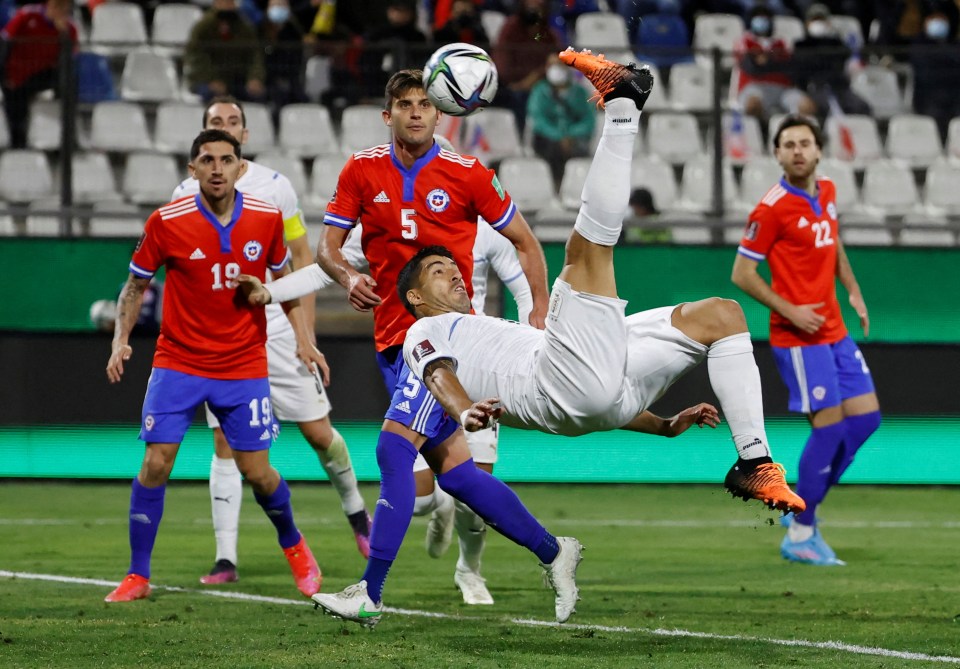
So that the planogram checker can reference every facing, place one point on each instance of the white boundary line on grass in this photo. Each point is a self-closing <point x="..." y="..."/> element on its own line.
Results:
<point x="242" y="596"/>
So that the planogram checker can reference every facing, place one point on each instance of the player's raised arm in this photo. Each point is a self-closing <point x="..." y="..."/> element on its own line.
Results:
<point x="534" y="265"/>
<point x="331" y="259"/>
<point x="128" y="310"/>
<point x="503" y="259"/>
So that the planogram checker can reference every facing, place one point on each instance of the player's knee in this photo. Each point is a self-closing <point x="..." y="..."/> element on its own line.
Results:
<point x="157" y="464"/>
<point x="726" y="316"/>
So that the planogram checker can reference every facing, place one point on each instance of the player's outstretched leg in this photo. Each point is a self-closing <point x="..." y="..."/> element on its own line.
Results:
<point x="588" y="266"/>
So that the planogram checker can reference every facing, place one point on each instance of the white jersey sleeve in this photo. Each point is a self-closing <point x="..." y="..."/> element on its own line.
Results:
<point x="188" y="186"/>
<point x="501" y="255"/>
<point x="427" y="342"/>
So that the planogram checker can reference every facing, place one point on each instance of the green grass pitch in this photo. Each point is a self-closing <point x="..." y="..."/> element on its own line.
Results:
<point x="673" y="576"/>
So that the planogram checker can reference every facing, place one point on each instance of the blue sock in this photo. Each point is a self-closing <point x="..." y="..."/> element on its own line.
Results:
<point x="499" y="507"/>
<point x="858" y="430"/>
<point x="816" y="468"/>
<point x="146" y="510"/>
<point x="395" y="457"/>
<point x="277" y="507"/>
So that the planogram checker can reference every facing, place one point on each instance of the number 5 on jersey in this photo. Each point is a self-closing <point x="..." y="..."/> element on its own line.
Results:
<point x="408" y="223"/>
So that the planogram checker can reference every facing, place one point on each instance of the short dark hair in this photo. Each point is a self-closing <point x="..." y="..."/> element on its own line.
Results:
<point x="794" y="120"/>
<point x="400" y="83"/>
<point x="409" y="276"/>
<point x="227" y="100"/>
<point x="207" y="136"/>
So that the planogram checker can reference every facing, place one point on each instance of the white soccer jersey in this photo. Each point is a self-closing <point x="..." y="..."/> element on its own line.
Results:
<point x="269" y="185"/>
<point x="592" y="369"/>
<point x="491" y="249"/>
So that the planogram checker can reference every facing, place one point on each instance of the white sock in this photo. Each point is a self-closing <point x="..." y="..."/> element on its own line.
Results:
<point x="429" y="503"/>
<point x="226" y="493"/>
<point x="798" y="532"/>
<point x="736" y="382"/>
<point x="606" y="190"/>
<point x="336" y="463"/>
<point x="472" y="535"/>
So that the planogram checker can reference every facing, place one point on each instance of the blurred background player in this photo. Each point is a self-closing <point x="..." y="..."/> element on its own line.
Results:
<point x="211" y="348"/>
<point x="794" y="228"/>
<point x="296" y="393"/>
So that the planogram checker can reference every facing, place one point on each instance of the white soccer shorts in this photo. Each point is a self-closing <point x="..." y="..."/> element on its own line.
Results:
<point x="295" y="393"/>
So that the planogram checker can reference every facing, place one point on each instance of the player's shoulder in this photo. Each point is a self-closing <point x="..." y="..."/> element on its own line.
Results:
<point x="182" y="206"/>
<point x="775" y="195"/>
<point x="254" y="203"/>
<point x="371" y="153"/>
<point x="457" y="158"/>
<point x="826" y="184"/>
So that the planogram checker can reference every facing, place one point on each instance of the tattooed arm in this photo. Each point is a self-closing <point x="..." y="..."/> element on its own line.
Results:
<point x="128" y="311"/>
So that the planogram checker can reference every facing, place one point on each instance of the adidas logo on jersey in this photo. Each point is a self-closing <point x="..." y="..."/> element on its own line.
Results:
<point x="197" y="255"/>
<point x="802" y="223"/>
<point x="403" y="406"/>
<point x="267" y="435"/>
<point x="382" y="197"/>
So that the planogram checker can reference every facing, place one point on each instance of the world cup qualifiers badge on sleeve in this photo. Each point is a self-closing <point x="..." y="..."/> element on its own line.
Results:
<point x="422" y="350"/>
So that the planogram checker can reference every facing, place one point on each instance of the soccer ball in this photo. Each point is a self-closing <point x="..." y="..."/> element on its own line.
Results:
<point x="460" y="78"/>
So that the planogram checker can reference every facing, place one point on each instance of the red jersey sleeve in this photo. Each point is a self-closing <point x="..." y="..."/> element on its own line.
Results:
<point x="148" y="256"/>
<point x="491" y="201"/>
<point x="12" y="29"/>
<point x="344" y="207"/>
<point x="761" y="232"/>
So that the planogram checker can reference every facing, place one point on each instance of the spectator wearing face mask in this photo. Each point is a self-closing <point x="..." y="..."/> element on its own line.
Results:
<point x="764" y="82"/>
<point x="935" y="57"/>
<point x="820" y="65"/>
<point x="561" y="117"/>
<point x="282" y="37"/>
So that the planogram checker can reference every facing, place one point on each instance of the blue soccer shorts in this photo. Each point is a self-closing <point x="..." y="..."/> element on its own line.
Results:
<point x="242" y="407"/>
<point x="823" y="375"/>
<point x="411" y="404"/>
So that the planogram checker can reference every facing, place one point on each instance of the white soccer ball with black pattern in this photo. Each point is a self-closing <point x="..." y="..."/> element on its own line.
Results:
<point x="460" y="78"/>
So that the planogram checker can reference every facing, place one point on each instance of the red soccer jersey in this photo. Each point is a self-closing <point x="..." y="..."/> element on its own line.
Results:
<point x="797" y="235"/>
<point x="437" y="201"/>
<point x="207" y="328"/>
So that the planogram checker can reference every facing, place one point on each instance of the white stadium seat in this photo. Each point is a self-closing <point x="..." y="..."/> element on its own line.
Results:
<point x="530" y="184"/>
<point x="119" y="126"/>
<point x="759" y="175"/>
<point x="571" y="186"/>
<point x="696" y="185"/>
<point x="914" y="139"/>
<point x="149" y="77"/>
<point x="889" y="188"/>
<point x="864" y="134"/>
<point x="788" y="28"/>
<point x="172" y="22"/>
<point x="878" y="86"/>
<point x="848" y="28"/>
<point x="911" y="236"/>
<point x="674" y="137"/>
<point x="45" y="127"/>
<point x="323" y="181"/>
<point x="654" y="174"/>
<point x="601" y="31"/>
<point x="45" y="224"/>
<point x="845" y="181"/>
<point x="716" y="30"/>
<point x="149" y="178"/>
<point x="262" y="136"/>
<point x="864" y="229"/>
<point x="691" y="87"/>
<point x="953" y="138"/>
<point x="118" y="28"/>
<point x="498" y="129"/>
<point x="306" y="130"/>
<point x="942" y="188"/>
<point x="176" y="126"/>
<point x="492" y="23"/>
<point x="130" y="225"/>
<point x="362" y="127"/>
<point x="25" y="175"/>
<point x="93" y="179"/>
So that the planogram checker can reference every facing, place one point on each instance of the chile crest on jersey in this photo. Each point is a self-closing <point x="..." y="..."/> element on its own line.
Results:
<point x="438" y="200"/>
